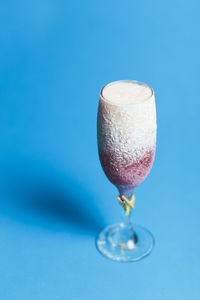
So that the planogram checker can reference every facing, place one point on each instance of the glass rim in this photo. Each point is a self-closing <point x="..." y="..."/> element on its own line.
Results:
<point x="130" y="81"/>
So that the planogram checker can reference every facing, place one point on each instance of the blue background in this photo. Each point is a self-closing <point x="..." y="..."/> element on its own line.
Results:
<point x="54" y="197"/>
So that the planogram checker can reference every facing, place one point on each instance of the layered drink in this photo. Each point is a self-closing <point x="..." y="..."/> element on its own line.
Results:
<point x="126" y="129"/>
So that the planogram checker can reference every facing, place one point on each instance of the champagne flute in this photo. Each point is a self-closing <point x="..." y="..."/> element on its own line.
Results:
<point x="126" y="131"/>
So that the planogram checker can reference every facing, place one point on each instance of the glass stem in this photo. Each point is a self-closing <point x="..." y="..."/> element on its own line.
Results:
<point x="127" y="221"/>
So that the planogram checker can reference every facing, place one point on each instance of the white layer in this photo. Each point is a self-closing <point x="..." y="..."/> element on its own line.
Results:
<point x="124" y="92"/>
<point x="128" y="129"/>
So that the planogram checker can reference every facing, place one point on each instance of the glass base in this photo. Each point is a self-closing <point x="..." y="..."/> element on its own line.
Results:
<point x="124" y="243"/>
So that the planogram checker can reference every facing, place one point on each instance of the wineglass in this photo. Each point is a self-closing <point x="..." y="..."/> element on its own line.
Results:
<point x="126" y="131"/>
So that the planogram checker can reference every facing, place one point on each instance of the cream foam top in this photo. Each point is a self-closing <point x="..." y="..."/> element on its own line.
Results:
<point x="126" y="92"/>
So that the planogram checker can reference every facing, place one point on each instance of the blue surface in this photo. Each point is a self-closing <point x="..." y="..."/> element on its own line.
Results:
<point x="55" y="56"/>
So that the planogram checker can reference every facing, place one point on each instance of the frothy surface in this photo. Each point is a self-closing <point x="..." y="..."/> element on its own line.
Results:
<point x="124" y="92"/>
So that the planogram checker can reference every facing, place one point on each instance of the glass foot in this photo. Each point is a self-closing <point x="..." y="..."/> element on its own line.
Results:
<point x="124" y="243"/>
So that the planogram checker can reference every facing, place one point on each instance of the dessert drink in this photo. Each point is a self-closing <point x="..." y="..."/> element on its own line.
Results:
<point x="126" y="130"/>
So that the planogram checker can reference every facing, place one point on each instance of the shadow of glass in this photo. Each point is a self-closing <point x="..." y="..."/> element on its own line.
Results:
<point x="51" y="200"/>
